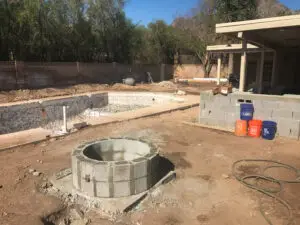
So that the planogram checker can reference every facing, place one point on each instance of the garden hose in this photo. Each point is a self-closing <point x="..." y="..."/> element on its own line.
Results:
<point x="268" y="191"/>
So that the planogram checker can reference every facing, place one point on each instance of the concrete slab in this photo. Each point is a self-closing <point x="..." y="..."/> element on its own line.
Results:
<point x="12" y="140"/>
<point x="110" y="206"/>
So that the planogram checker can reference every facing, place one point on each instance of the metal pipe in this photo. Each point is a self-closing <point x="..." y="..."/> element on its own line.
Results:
<point x="65" y="129"/>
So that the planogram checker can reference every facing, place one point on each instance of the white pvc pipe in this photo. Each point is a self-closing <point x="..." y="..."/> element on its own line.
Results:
<point x="219" y="70"/>
<point x="65" y="129"/>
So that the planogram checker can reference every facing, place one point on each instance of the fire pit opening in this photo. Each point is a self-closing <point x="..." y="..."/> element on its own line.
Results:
<point x="116" y="150"/>
<point x="115" y="167"/>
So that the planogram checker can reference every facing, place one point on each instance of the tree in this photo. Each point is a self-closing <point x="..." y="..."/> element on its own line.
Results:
<point x="199" y="28"/>
<point x="235" y="10"/>
<point x="271" y="8"/>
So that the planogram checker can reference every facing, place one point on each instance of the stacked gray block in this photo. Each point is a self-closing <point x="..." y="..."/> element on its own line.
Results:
<point x="114" y="168"/>
<point x="40" y="113"/>
<point x="218" y="111"/>
<point x="223" y="111"/>
<point x="19" y="117"/>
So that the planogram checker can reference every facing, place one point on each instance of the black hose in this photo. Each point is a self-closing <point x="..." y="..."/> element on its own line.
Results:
<point x="267" y="191"/>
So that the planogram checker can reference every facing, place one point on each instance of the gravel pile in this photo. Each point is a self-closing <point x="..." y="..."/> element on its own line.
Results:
<point x="167" y="84"/>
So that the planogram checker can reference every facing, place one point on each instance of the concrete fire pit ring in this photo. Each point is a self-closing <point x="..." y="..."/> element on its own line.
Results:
<point x="115" y="167"/>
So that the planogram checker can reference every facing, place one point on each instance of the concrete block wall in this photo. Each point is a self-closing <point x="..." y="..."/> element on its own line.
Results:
<point x="222" y="111"/>
<point x="113" y="179"/>
<point x="42" y="113"/>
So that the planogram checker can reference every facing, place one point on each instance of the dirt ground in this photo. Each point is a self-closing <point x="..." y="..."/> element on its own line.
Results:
<point x="203" y="193"/>
<point x="166" y="86"/>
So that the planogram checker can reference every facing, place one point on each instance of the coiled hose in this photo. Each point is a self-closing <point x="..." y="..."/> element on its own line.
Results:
<point x="268" y="191"/>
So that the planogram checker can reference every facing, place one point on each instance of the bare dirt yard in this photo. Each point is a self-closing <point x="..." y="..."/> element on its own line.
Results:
<point x="203" y="193"/>
<point x="165" y="86"/>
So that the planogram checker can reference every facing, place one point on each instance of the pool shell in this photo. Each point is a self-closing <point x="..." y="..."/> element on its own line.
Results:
<point x="20" y="116"/>
<point x="114" y="167"/>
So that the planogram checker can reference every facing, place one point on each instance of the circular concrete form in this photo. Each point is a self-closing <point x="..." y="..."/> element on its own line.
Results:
<point x="114" y="167"/>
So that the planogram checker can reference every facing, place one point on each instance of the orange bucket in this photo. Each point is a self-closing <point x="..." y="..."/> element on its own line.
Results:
<point x="241" y="128"/>
<point x="255" y="127"/>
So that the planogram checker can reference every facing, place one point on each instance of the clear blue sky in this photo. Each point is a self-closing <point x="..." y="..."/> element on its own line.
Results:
<point x="146" y="11"/>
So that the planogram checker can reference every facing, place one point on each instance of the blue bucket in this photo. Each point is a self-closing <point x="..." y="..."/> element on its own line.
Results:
<point x="269" y="130"/>
<point x="247" y="111"/>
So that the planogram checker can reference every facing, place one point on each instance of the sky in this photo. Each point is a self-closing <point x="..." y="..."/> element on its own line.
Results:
<point x="146" y="11"/>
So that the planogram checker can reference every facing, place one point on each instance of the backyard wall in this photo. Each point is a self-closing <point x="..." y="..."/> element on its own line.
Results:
<point x="189" y="71"/>
<point x="16" y="75"/>
<point x="222" y="111"/>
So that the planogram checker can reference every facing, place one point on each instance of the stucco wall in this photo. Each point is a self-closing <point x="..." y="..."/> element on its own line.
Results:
<point x="37" y="75"/>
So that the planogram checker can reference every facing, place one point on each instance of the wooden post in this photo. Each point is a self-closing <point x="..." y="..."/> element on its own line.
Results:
<point x="78" y="71"/>
<point x="243" y="69"/>
<point x="219" y="69"/>
<point x="16" y="69"/>
<point x="77" y="66"/>
<point x="274" y="70"/>
<point x="261" y="72"/>
<point x="162" y="72"/>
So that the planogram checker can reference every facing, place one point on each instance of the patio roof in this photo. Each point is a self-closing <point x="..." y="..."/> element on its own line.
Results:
<point x="235" y="48"/>
<point x="276" y="32"/>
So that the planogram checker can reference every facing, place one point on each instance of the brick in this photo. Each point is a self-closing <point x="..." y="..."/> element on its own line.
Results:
<point x="122" y="171"/>
<point x="140" y="167"/>
<point x="202" y="104"/>
<point x="87" y="187"/>
<point x="293" y="105"/>
<point x="123" y="188"/>
<point x="270" y="104"/>
<point x="141" y="185"/>
<point x="206" y="95"/>
<point x="288" y="128"/>
<point x="205" y="121"/>
<point x="103" y="189"/>
<point x="278" y="113"/>
<point x="258" y="104"/>
<point x="75" y="175"/>
<point x="296" y="115"/>
<point x="103" y="171"/>
<point x="205" y="113"/>
<point x="262" y="114"/>
<point x="232" y="116"/>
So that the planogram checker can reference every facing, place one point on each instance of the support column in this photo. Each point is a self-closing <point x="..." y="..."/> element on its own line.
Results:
<point x="230" y="63"/>
<point x="274" y="70"/>
<point x="257" y="72"/>
<point x="243" y="69"/>
<point x="261" y="73"/>
<point x="219" y="70"/>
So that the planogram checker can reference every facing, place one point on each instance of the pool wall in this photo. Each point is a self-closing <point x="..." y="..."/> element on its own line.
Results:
<point x="31" y="114"/>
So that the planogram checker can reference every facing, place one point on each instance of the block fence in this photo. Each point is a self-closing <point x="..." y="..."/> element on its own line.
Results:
<point x="222" y="111"/>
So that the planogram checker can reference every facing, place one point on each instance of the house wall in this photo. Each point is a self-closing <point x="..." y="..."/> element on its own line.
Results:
<point x="222" y="112"/>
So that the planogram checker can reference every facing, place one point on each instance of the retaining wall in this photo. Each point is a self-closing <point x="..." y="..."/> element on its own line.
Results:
<point x="222" y="111"/>
<point x="38" y="113"/>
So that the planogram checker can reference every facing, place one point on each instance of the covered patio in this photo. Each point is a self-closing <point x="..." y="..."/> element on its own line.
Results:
<point x="267" y="57"/>
<point x="266" y="63"/>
